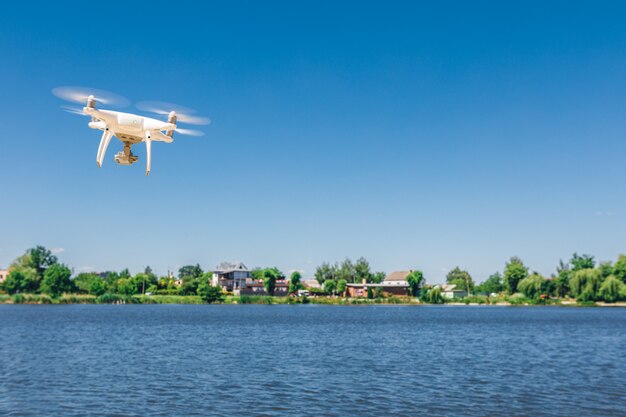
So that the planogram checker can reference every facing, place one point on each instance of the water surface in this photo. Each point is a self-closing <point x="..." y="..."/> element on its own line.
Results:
<point x="165" y="360"/>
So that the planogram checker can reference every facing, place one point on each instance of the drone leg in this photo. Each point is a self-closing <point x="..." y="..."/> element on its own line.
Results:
<point x="148" y="155"/>
<point x="104" y="144"/>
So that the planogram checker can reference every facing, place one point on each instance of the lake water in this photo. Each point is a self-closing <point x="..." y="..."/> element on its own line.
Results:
<point x="166" y="360"/>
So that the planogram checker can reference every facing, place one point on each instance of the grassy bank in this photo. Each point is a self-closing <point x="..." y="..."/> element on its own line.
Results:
<point x="508" y="300"/>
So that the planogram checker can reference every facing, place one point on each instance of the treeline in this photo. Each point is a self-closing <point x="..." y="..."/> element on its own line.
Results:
<point x="581" y="278"/>
<point x="38" y="271"/>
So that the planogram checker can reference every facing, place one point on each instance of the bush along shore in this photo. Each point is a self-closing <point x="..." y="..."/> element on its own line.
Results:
<point x="37" y="277"/>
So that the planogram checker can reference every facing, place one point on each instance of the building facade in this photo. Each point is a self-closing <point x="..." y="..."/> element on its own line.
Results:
<point x="230" y="276"/>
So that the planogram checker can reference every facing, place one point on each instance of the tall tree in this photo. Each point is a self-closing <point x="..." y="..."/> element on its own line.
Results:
<point x="561" y="283"/>
<point x="415" y="280"/>
<point x="619" y="269"/>
<point x="56" y="280"/>
<point x="342" y="285"/>
<point x="21" y="280"/>
<point x="190" y="271"/>
<point x="377" y="277"/>
<point x="612" y="289"/>
<point x="323" y="273"/>
<point x="531" y="286"/>
<point x="514" y="272"/>
<point x="582" y="262"/>
<point x="294" y="282"/>
<point x="346" y="271"/>
<point x="585" y="284"/>
<point x="270" y="275"/>
<point x="362" y="270"/>
<point x="330" y="286"/>
<point x="491" y="285"/>
<point x="41" y="259"/>
<point x="462" y="279"/>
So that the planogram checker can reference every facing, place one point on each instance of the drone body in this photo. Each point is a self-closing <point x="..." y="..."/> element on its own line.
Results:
<point x="128" y="128"/>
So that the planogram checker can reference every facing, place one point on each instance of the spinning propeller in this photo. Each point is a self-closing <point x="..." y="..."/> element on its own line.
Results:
<point x="183" y="114"/>
<point x="81" y="94"/>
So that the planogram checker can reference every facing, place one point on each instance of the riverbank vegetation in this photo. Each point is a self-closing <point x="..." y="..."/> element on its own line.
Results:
<point x="37" y="277"/>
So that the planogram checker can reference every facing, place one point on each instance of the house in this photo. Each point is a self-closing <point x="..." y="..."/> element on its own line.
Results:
<point x="311" y="284"/>
<point x="450" y="291"/>
<point x="360" y="290"/>
<point x="393" y="284"/>
<point x="231" y="276"/>
<point x="3" y="274"/>
<point x="256" y="287"/>
<point x="396" y="283"/>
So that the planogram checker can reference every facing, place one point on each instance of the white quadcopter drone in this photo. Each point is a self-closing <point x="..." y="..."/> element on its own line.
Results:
<point x="129" y="128"/>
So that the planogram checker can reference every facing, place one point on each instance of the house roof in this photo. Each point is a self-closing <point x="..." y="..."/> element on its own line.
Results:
<point x="311" y="283"/>
<point x="397" y="276"/>
<point x="231" y="266"/>
<point x="450" y="288"/>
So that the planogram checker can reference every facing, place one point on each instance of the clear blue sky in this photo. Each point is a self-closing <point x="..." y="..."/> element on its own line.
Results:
<point x="419" y="136"/>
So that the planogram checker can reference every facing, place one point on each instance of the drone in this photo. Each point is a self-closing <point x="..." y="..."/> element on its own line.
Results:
<point x="129" y="128"/>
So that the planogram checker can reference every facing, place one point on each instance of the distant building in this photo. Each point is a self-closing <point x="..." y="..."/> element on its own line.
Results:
<point x="396" y="283"/>
<point x="311" y="284"/>
<point x="256" y="287"/>
<point x="3" y="274"/>
<point x="393" y="284"/>
<point x="450" y="291"/>
<point x="231" y="276"/>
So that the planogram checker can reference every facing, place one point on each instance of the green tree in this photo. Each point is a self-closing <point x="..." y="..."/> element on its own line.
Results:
<point x="56" y="280"/>
<point x="531" y="286"/>
<point x="346" y="271"/>
<point x="415" y="280"/>
<point x="462" y="279"/>
<point x="585" y="284"/>
<point x="606" y="269"/>
<point x="492" y="285"/>
<point x="20" y="280"/>
<point x="189" y="285"/>
<point x="582" y="262"/>
<point x="294" y="282"/>
<point x="270" y="275"/>
<point x="362" y="270"/>
<point x="377" y="277"/>
<point x="126" y="286"/>
<point x="97" y="287"/>
<point x="561" y="283"/>
<point x="323" y="273"/>
<point x="434" y="295"/>
<point x="27" y="268"/>
<point x="514" y="272"/>
<point x="329" y="286"/>
<point x="612" y="289"/>
<point x="41" y="259"/>
<point x="125" y="273"/>
<point x="619" y="269"/>
<point x="111" y="279"/>
<point x="83" y="281"/>
<point x="342" y="285"/>
<point x="209" y="293"/>
<point x="190" y="271"/>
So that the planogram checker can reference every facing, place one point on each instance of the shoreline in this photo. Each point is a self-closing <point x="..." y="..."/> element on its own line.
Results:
<point x="69" y="299"/>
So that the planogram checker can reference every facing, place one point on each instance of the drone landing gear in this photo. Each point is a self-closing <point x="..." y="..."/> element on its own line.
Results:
<point x="126" y="157"/>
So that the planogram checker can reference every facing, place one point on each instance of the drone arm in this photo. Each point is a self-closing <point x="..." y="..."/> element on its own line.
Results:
<point x="148" y="151"/>
<point x="104" y="144"/>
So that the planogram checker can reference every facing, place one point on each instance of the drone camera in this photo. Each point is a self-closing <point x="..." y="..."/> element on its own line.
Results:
<point x="125" y="158"/>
